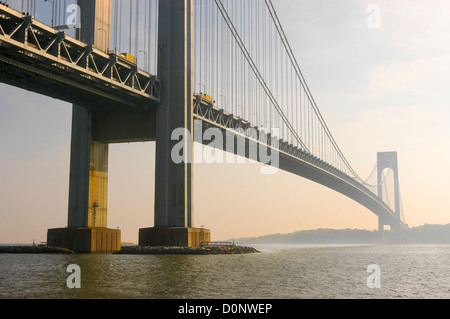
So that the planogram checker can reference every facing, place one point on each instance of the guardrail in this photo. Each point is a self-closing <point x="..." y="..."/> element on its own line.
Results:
<point x="217" y="244"/>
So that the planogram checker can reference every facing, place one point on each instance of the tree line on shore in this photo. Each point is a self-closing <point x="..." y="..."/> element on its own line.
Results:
<point x="425" y="234"/>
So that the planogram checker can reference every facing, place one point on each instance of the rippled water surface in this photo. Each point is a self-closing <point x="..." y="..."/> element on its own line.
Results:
<point x="279" y="272"/>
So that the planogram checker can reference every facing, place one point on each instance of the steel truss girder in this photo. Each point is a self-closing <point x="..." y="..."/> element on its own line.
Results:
<point x="30" y="47"/>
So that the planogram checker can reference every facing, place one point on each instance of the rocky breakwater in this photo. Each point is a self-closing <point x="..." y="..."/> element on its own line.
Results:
<point x="33" y="250"/>
<point x="216" y="250"/>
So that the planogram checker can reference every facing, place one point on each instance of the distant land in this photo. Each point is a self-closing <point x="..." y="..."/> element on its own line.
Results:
<point x="425" y="234"/>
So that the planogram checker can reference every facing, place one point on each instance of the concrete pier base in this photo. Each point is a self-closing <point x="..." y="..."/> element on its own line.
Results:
<point x="173" y="236"/>
<point x="85" y="239"/>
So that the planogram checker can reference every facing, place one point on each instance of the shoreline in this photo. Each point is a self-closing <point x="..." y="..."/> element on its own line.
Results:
<point x="208" y="250"/>
<point x="137" y="250"/>
<point x="34" y="250"/>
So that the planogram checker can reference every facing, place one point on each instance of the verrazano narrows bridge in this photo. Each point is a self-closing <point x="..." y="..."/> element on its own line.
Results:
<point x="137" y="70"/>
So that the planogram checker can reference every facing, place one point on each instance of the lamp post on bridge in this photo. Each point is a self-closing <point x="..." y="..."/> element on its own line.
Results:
<point x="145" y="59"/>
<point x="53" y="10"/>
<point x="242" y="113"/>
<point x="201" y="84"/>
<point x="225" y="101"/>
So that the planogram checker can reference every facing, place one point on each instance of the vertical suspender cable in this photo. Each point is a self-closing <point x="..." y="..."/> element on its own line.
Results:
<point x="217" y="55"/>
<point x="249" y="59"/>
<point x="200" y="40"/>
<point x="57" y="13"/>
<point x="116" y="26"/>
<point x="314" y="106"/>
<point x="119" y="27"/>
<point x="152" y="46"/>
<point x="145" y="52"/>
<point x="131" y="25"/>
<point x="65" y="12"/>
<point x="136" y="32"/>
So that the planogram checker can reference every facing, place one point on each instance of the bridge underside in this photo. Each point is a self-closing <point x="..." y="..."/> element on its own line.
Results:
<point x="43" y="78"/>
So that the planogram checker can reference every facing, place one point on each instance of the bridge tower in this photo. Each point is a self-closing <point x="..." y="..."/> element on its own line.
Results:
<point x="94" y="129"/>
<point x="87" y="218"/>
<point x="389" y="160"/>
<point x="174" y="181"/>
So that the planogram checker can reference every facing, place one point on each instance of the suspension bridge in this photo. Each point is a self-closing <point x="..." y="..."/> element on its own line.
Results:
<point x="137" y="70"/>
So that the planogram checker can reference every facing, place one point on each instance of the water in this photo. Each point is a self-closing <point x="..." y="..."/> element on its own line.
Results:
<point x="279" y="272"/>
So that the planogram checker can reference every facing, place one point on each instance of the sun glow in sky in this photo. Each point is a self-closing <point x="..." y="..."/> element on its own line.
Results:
<point x="379" y="89"/>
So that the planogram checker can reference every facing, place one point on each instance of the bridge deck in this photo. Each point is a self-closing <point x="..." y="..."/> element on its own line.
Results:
<point x="291" y="158"/>
<point x="38" y="58"/>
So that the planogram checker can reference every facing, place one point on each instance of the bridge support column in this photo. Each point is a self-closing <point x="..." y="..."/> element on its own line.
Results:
<point x="174" y="177"/>
<point x="381" y="229"/>
<point x="87" y="219"/>
<point x="390" y="160"/>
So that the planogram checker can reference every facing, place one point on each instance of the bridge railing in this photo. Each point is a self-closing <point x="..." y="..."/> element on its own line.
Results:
<point x="217" y="244"/>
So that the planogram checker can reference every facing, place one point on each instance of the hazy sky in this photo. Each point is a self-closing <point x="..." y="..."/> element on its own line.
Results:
<point x="380" y="89"/>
